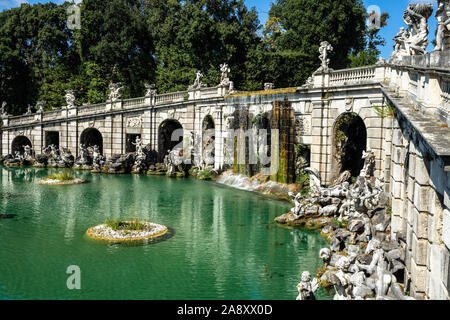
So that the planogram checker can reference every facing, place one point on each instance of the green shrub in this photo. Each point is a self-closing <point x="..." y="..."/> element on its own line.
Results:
<point x="64" y="176"/>
<point x="117" y="224"/>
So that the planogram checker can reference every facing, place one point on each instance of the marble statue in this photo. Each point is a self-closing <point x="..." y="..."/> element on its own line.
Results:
<point x="325" y="255"/>
<point x="324" y="48"/>
<point x="29" y="110"/>
<point x="414" y="39"/>
<point x="225" y="70"/>
<point x="114" y="93"/>
<point x="151" y="89"/>
<point x="306" y="287"/>
<point x="70" y="98"/>
<point x="443" y="27"/>
<point x="2" y="110"/>
<point x="198" y="81"/>
<point x="27" y="152"/>
<point x="84" y="153"/>
<point x="416" y="18"/>
<point x="341" y="280"/>
<point x="369" y="164"/>
<point x="40" y="106"/>
<point x="268" y="86"/>
<point x="379" y="268"/>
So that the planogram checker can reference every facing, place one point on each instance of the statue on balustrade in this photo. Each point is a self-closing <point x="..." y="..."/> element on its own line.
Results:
<point x="198" y="81"/>
<point x="70" y="98"/>
<point x="443" y="27"/>
<point x="2" y="110"/>
<point x="151" y="90"/>
<point x="224" y="69"/>
<point x="114" y="94"/>
<point x="324" y="48"/>
<point x="414" y="39"/>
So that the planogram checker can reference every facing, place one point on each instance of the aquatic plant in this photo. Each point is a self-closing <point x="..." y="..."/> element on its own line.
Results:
<point x="64" y="176"/>
<point x="117" y="224"/>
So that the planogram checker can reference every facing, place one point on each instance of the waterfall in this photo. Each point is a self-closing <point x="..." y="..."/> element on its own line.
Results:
<point x="255" y="184"/>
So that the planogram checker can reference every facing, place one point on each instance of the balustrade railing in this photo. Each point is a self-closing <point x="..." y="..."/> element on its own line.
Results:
<point x="19" y="120"/>
<point x="171" y="97"/>
<point x="50" y="115"/>
<point x="133" y="103"/>
<point x="352" y="75"/>
<point x="92" y="108"/>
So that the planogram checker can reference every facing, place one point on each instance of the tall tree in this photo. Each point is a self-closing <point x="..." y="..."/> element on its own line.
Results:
<point x="200" y="35"/>
<point x="369" y="55"/>
<point x="305" y="24"/>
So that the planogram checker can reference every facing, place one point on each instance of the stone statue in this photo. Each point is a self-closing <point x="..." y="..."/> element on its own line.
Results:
<point x="324" y="48"/>
<point x="198" y="81"/>
<point x="443" y="27"/>
<point x="40" y="106"/>
<point x="151" y="89"/>
<point x="341" y="280"/>
<point x="83" y="154"/>
<point x="224" y="79"/>
<point x="2" y="110"/>
<point x="70" y="98"/>
<point x="316" y="184"/>
<point x="27" y="152"/>
<point x="369" y="164"/>
<point x="29" y="110"/>
<point x="416" y="18"/>
<point x="114" y="93"/>
<point x="269" y="86"/>
<point x="379" y="268"/>
<point x="306" y="287"/>
<point x="325" y="255"/>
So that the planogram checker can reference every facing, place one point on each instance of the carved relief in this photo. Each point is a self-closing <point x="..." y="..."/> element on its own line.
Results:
<point x="135" y="122"/>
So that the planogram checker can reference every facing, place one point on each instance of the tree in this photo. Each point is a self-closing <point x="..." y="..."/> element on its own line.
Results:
<point x="196" y="35"/>
<point x="305" y="24"/>
<point x="369" y="55"/>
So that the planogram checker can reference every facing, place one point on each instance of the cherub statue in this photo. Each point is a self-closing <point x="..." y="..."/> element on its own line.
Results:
<point x="306" y="287"/>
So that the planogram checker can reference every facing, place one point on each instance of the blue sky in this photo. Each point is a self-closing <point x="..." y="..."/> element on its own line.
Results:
<point x="395" y="9"/>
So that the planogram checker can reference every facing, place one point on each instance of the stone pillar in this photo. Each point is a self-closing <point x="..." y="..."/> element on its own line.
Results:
<point x="283" y="120"/>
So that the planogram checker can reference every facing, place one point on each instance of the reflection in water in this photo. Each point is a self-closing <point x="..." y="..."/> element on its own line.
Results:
<point x="223" y="247"/>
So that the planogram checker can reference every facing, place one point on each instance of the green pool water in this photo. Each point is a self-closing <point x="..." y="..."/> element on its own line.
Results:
<point x="225" y="244"/>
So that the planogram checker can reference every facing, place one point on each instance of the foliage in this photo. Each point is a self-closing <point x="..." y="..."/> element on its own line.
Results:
<point x="370" y="54"/>
<point x="386" y="112"/>
<point x="305" y="24"/>
<point x="206" y="174"/>
<point x="165" y="42"/>
<point x="117" y="224"/>
<point x="64" y="176"/>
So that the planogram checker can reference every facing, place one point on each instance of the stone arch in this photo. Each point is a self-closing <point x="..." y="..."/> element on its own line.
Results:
<point x="349" y="142"/>
<point x="18" y="143"/>
<point x="208" y="140"/>
<point x="169" y="130"/>
<point x="92" y="137"/>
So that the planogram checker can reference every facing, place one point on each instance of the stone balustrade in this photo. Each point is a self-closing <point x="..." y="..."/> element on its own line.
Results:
<point x="349" y="76"/>
<point x="171" y="97"/>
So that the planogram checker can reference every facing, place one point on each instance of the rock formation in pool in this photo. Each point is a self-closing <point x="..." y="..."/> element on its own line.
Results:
<point x="363" y="261"/>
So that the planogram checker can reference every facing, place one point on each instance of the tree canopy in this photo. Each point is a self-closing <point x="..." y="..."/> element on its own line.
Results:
<point x="165" y="42"/>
